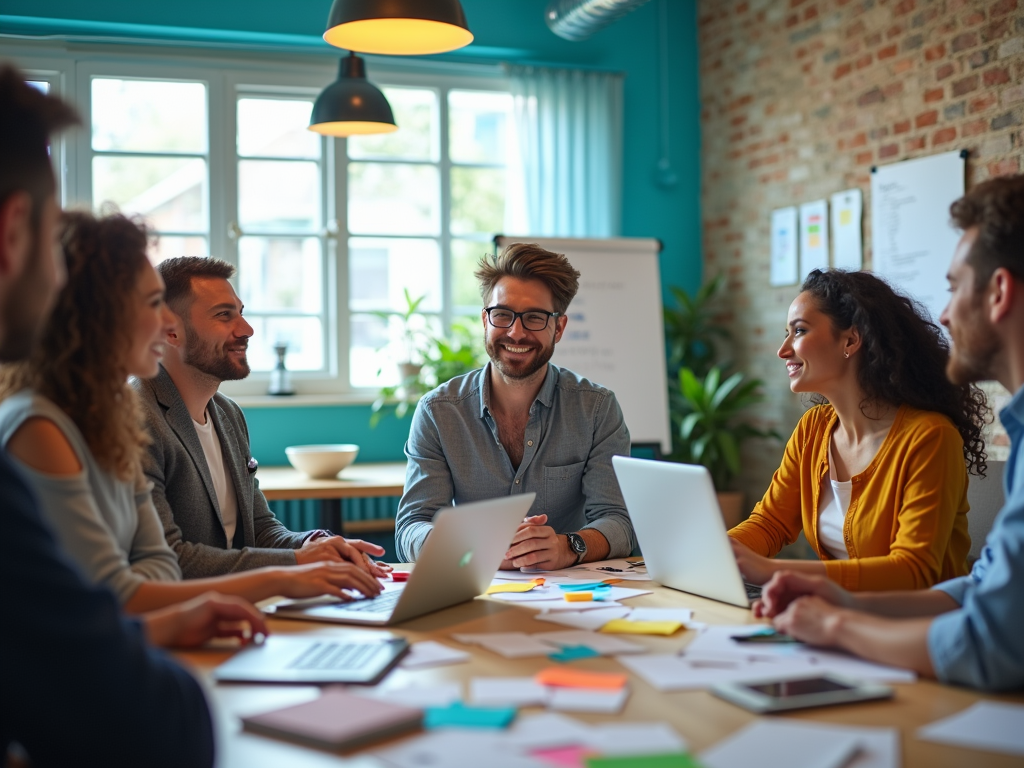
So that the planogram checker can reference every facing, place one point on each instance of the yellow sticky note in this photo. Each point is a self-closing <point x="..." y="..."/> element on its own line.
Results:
<point x="625" y="626"/>
<point x="514" y="586"/>
<point x="579" y="597"/>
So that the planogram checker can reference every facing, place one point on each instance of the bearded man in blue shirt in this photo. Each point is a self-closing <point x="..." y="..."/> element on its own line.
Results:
<point x="969" y="630"/>
<point x="522" y="424"/>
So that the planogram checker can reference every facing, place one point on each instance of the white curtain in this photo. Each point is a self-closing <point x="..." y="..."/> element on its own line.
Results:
<point x="565" y="173"/>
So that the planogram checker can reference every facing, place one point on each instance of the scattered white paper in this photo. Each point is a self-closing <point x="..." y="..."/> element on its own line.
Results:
<point x="511" y="645"/>
<point x="636" y="739"/>
<point x="682" y="615"/>
<point x="507" y="692"/>
<point x="539" y="594"/>
<point x="987" y="725"/>
<point x="455" y="748"/>
<point x="428" y="653"/>
<point x="588" y="700"/>
<point x="546" y="731"/>
<point x="783" y="269"/>
<point x="771" y="745"/>
<point x="602" y="605"/>
<point x="422" y="696"/>
<point x="607" y="645"/>
<point x="623" y="569"/>
<point x="672" y="672"/>
<point x="591" y="620"/>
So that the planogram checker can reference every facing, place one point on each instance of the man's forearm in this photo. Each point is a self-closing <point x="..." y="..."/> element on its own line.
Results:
<point x="905" y="605"/>
<point x="896" y="642"/>
<point x="597" y="545"/>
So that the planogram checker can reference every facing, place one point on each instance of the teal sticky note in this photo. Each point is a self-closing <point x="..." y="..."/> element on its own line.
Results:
<point x="593" y="586"/>
<point x="674" y="760"/>
<point x="573" y="652"/>
<point x="459" y="715"/>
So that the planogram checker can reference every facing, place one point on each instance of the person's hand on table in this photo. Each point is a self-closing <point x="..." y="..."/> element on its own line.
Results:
<point x="536" y="545"/>
<point x="341" y="550"/>
<point x="811" y="619"/>
<point x="324" y="578"/>
<point x="192" y="623"/>
<point x="787" y="587"/>
<point x="755" y="568"/>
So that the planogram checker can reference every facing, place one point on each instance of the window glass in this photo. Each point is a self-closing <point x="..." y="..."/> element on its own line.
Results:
<point x="415" y="111"/>
<point x="466" y="255"/>
<point x="382" y="269"/>
<point x="394" y="199"/>
<point x="478" y="200"/>
<point x="278" y="195"/>
<point x="478" y="123"/>
<point x="303" y="335"/>
<point x="171" y="246"/>
<point x="148" y="116"/>
<point x="280" y="273"/>
<point x="276" y="128"/>
<point x="170" y="192"/>
<point x="377" y="347"/>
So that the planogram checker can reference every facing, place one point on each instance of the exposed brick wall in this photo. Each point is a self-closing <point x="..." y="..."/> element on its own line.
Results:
<point x="801" y="97"/>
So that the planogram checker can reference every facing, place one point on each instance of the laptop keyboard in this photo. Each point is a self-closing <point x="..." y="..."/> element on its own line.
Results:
<point x="384" y="603"/>
<point x="753" y="591"/>
<point x="322" y="656"/>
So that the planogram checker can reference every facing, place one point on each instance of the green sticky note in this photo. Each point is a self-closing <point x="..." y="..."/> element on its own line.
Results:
<point x="459" y="715"/>
<point x="674" y="760"/>
<point x="573" y="652"/>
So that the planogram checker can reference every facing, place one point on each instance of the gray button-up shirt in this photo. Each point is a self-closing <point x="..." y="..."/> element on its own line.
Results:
<point x="455" y="456"/>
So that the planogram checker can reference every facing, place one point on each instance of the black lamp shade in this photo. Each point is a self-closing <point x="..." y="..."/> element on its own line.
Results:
<point x="398" y="27"/>
<point x="351" y="105"/>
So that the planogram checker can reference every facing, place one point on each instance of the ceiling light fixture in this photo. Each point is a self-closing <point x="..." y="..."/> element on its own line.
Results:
<point x="351" y="105"/>
<point x="398" y="27"/>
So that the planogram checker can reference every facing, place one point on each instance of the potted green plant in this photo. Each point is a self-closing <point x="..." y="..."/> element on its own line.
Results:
<point x="692" y="332"/>
<point x="713" y="426"/>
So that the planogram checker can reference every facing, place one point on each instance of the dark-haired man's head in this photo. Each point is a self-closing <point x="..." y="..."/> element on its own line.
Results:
<point x="214" y="337"/>
<point x="31" y="264"/>
<point x="987" y="266"/>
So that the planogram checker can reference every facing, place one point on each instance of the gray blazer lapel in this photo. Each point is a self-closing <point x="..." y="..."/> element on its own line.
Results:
<point x="236" y="465"/>
<point x="180" y="420"/>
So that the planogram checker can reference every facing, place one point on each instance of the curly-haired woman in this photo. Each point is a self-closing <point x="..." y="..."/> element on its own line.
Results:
<point x="69" y="416"/>
<point x="875" y="474"/>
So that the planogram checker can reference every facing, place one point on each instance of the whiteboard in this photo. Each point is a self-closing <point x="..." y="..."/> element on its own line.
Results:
<point x="911" y="236"/>
<point x="616" y="335"/>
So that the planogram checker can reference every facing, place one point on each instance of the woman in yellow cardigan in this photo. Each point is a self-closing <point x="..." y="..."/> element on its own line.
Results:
<point x="875" y="474"/>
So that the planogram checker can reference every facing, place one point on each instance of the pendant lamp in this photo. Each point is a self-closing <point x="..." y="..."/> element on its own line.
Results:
<point x="351" y="105"/>
<point x="398" y="27"/>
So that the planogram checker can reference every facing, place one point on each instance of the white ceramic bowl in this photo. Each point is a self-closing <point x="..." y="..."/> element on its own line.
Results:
<point x="321" y="462"/>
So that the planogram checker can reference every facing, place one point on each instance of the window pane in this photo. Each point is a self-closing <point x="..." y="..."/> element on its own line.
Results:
<point x="478" y="200"/>
<point x="478" y="124"/>
<point x="278" y="273"/>
<point x="415" y="111"/>
<point x="276" y="128"/>
<point x="39" y="85"/>
<point x="171" y="246"/>
<point x="148" y="116"/>
<point x="394" y="199"/>
<point x="381" y="269"/>
<point x="303" y="335"/>
<point x="278" y="195"/>
<point x="169" y="191"/>
<point x="466" y="255"/>
<point x="377" y="345"/>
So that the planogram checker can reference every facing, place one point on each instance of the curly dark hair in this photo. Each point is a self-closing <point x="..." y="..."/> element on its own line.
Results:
<point x="905" y="354"/>
<point x="78" y="362"/>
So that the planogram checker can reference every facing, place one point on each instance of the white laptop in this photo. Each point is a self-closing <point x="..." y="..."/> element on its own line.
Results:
<point x="680" y="529"/>
<point x="457" y="563"/>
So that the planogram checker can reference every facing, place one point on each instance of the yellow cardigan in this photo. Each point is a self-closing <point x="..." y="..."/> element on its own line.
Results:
<point x="906" y="527"/>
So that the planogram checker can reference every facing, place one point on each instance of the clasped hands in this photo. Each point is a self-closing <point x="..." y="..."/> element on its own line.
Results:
<point x="340" y="549"/>
<point x="536" y="545"/>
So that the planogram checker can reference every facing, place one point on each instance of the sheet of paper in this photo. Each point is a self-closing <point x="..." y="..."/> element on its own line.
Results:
<point x="682" y="615"/>
<point x="813" y="237"/>
<point x="588" y="700"/>
<point x="602" y="569"/>
<point x="507" y="692"/>
<point x="769" y="744"/>
<point x="511" y="645"/>
<point x="547" y="592"/>
<point x="569" y="677"/>
<point x="422" y="696"/>
<point x="671" y="672"/>
<point x="847" y="244"/>
<point x="629" y="626"/>
<point x="987" y="725"/>
<point x="602" y="605"/>
<point x="454" y="748"/>
<point x="590" y="620"/>
<point x="783" y="268"/>
<point x="636" y="739"/>
<point x="603" y="644"/>
<point x="544" y="731"/>
<point x="428" y="653"/>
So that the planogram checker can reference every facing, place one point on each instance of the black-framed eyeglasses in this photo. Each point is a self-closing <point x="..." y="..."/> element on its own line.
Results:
<point x="533" y="320"/>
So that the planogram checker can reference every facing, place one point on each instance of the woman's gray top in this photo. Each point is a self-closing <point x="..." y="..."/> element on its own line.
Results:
<point x="108" y="526"/>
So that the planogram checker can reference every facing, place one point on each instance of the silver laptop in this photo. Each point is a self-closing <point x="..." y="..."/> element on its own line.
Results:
<point x="680" y="529"/>
<point x="457" y="563"/>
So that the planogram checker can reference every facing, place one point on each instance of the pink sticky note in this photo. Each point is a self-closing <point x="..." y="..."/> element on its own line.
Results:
<point x="564" y="757"/>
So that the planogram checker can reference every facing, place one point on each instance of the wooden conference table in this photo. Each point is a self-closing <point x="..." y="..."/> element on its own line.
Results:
<point x="697" y="715"/>
<point x="359" y="481"/>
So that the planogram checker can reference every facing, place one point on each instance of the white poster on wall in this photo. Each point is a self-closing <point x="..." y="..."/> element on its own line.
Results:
<point x="784" y="233"/>
<point x="813" y="237"/>
<point x="911" y="234"/>
<point x="847" y="240"/>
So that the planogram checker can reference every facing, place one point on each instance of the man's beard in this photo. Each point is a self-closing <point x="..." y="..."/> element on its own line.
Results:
<point x="512" y="370"/>
<point x="973" y="351"/>
<point x="27" y="308"/>
<point x="218" y="364"/>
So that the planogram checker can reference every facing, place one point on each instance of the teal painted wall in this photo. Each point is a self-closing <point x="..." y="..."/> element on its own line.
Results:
<point x="504" y="30"/>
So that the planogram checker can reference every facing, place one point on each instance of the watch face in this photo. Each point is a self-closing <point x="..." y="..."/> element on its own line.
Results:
<point x="578" y="545"/>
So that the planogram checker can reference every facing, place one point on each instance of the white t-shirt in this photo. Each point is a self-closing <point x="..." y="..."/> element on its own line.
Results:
<point x="227" y="500"/>
<point x="833" y="505"/>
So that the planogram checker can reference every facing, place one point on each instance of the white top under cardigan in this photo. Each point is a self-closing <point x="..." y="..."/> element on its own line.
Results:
<point x="109" y="527"/>
<point x="833" y="504"/>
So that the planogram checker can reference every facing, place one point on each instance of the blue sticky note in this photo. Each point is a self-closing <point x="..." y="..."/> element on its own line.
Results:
<point x="573" y="652"/>
<point x="459" y="715"/>
<point x="593" y="586"/>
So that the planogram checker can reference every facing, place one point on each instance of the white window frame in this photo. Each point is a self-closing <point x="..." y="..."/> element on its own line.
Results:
<point x="70" y="71"/>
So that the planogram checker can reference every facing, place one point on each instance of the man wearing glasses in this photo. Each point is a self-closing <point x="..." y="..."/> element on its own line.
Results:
<point x="521" y="424"/>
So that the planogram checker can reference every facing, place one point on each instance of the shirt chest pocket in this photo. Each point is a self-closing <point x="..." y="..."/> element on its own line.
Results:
<point x="563" y="491"/>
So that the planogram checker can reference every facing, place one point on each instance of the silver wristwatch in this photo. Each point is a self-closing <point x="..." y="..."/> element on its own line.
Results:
<point x="577" y="546"/>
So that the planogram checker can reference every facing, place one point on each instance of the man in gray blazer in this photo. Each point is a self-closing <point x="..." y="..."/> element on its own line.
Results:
<point x="204" y="477"/>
